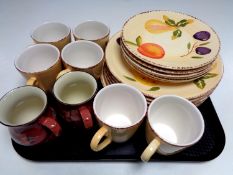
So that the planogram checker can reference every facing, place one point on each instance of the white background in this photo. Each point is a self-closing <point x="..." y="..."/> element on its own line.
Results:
<point x="18" y="18"/>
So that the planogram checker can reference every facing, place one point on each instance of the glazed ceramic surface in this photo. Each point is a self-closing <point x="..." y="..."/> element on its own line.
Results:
<point x="174" y="124"/>
<point x="165" y="73"/>
<point x="163" y="77"/>
<point x="118" y="116"/>
<point x="83" y="56"/>
<point x="94" y="31"/>
<point x="30" y="120"/>
<point x="190" y="90"/>
<point x="153" y="37"/>
<point x="107" y="78"/>
<point x="54" y="33"/>
<point x="161" y="70"/>
<point x="40" y="65"/>
<point x="74" y="92"/>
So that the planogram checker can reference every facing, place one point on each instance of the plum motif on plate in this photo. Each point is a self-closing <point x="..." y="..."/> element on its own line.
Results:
<point x="199" y="49"/>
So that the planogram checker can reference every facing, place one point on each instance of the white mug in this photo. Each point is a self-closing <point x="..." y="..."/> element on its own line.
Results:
<point x="84" y="56"/>
<point x="94" y="31"/>
<point x="173" y="124"/>
<point x="119" y="109"/>
<point x="39" y="64"/>
<point x="54" y="33"/>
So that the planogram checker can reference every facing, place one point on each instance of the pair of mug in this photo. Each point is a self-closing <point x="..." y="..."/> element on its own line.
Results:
<point x="40" y="64"/>
<point x="30" y="119"/>
<point x="173" y="123"/>
<point x="59" y="34"/>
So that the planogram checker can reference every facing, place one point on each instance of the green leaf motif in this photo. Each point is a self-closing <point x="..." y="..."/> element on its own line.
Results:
<point x="139" y="40"/>
<point x="196" y="57"/>
<point x="182" y="23"/>
<point x="204" y="43"/>
<point x="154" y="89"/>
<point x="170" y="22"/>
<point x="200" y="83"/>
<point x="129" y="78"/>
<point x="189" y="45"/>
<point x="176" y="34"/>
<point x="209" y="75"/>
<point x="131" y="43"/>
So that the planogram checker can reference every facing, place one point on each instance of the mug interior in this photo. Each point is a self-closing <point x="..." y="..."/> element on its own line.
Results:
<point x="37" y="58"/>
<point x="82" y="54"/>
<point x="120" y="105"/>
<point x="75" y="88"/>
<point x="176" y="120"/>
<point x="91" y="30"/>
<point x="22" y="105"/>
<point x="50" y="32"/>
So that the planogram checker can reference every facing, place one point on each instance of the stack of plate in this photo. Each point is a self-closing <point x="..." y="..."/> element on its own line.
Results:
<point x="116" y="70"/>
<point x="169" y="46"/>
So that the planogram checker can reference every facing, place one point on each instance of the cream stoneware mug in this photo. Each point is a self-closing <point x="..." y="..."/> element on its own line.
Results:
<point x="94" y="31"/>
<point x="84" y="56"/>
<point x="54" y="33"/>
<point x="39" y="64"/>
<point x="74" y="92"/>
<point x="119" y="109"/>
<point x="173" y="124"/>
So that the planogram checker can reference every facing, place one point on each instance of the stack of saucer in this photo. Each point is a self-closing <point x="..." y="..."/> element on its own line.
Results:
<point x="169" y="46"/>
<point x="116" y="70"/>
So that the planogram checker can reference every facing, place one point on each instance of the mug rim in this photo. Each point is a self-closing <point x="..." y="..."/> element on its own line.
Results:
<point x="190" y="104"/>
<point x="90" y="21"/>
<point x="37" y="45"/>
<point x="76" y="104"/>
<point x="122" y="85"/>
<point x="46" y="23"/>
<point x="38" y="116"/>
<point x="77" y="42"/>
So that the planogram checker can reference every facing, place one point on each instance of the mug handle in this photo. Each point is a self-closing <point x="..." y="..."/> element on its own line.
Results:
<point x="95" y="142"/>
<point x="32" y="81"/>
<point x="51" y="124"/>
<point x="86" y="116"/>
<point x="150" y="149"/>
<point x="63" y="72"/>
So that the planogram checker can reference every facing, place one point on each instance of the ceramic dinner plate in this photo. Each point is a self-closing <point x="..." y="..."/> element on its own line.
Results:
<point x="107" y="78"/>
<point x="150" y="88"/>
<point x="163" y="77"/>
<point x="162" y="71"/>
<point x="170" y="40"/>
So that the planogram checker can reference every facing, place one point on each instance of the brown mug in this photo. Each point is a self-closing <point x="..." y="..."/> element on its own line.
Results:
<point x="73" y="92"/>
<point x="25" y="111"/>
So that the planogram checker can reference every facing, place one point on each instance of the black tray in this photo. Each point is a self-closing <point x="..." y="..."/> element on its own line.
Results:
<point x="73" y="145"/>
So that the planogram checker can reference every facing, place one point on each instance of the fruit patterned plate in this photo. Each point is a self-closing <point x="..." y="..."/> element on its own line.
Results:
<point x="170" y="40"/>
<point x="163" y="77"/>
<point x="191" y="90"/>
<point x="163" y="71"/>
<point x="107" y="78"/>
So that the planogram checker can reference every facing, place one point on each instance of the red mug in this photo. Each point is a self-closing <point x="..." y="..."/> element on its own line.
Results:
<point x="74" y="92"/>
<point x="25" y="111"/>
